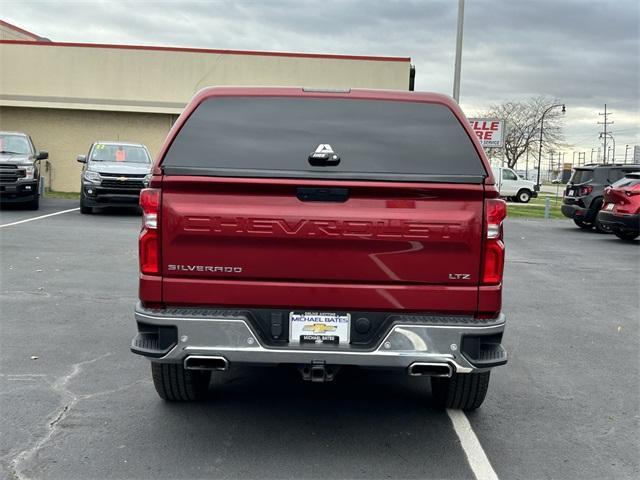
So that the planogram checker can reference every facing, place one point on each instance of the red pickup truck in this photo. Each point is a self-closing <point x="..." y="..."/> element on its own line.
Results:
<point x="322" y="229"/>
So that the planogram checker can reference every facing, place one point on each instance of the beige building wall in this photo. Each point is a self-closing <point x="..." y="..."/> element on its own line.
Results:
<point x="87" y="92"/>
<point x="163" y="81"/>
<point x="67" y="133"/>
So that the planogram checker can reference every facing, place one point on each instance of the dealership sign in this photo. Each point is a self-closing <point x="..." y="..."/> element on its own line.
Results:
<point x="490" y="131"/>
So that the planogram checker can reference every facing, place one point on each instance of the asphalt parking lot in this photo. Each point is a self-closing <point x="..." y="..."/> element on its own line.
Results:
<point x="565" y="406"/>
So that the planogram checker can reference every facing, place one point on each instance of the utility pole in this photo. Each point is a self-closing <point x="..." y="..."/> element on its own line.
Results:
<point x="598" y="156"/>
<point x="604" y="134"/>
<point x="592" y="151"/>
<point x="458" y="64"/>
<point x="526" y="168"/>
<point x="626" y="148"/>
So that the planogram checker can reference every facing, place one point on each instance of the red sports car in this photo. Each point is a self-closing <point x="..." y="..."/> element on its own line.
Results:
<point x="621" y="208"/>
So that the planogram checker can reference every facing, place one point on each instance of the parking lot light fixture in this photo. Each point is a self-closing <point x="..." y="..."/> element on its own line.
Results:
<point x="564" y="110"/>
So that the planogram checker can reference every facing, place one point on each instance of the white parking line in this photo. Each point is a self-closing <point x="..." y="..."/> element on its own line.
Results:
<point x="39" y="218"/>
<point x="476" y="457"/>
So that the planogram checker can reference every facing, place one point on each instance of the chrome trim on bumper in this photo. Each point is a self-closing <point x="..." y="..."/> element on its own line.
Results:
<point x="235" y="340"/>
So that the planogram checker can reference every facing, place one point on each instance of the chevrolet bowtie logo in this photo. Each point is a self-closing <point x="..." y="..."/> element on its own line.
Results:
<point x="122" y="179"/>
<point x="319" y="328"/>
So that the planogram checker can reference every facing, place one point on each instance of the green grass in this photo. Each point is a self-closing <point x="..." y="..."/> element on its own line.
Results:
<point x="541" y="200"/>
<point x="520" y="211"/>
<point x="67" y="195"/>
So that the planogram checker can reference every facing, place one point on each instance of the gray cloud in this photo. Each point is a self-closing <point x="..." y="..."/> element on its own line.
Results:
<point x="583" y="52"/>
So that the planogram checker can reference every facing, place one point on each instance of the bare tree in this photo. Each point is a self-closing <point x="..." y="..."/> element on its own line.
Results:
<point x="522" y="122"/>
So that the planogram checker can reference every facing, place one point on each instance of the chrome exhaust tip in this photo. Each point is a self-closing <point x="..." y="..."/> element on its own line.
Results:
<point x="204" y="362"/>
<point x="421" y="369"/>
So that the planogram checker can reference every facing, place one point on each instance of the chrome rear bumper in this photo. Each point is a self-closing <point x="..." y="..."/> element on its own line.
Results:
<point x="234" y="340"/>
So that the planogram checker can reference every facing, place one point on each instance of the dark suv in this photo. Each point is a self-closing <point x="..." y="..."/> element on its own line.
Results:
<point x="583" y="197"/>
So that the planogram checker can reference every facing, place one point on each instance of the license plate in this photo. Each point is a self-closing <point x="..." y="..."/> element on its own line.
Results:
<point x="570" y="193"/>
<point x="319" y="328"/>
<point x="609" y="207"/>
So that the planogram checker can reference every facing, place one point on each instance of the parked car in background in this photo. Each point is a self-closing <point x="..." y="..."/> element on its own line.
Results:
<point x="621" y="209"/>
<point x="513" y="187"/>
<point x="113" y="175"/>
<point x="584" y="194"/>
<point x="20" y="170"/>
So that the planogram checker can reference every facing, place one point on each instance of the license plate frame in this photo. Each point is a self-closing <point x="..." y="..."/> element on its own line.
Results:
<point x="311" y="327"/>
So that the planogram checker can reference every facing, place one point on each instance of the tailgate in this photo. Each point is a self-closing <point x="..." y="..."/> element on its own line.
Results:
<point x="320" y="243"/>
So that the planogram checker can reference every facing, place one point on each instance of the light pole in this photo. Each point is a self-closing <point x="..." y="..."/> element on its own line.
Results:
<point x="626" y="148"/>
<point x="564" y="109"/>
<point x="458" y="64"/>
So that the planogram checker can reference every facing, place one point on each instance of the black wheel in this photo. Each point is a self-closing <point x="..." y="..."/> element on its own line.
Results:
<point x="583" y="224"/>
<point x="464" y="391"/>
<point x="524" y="196"/>
<point x="601" y="228"/>
<point x="175" y="384"/>
<point x="83" y="208"/>
<point x="34" y="204"/>
<point x="627" y="236"/>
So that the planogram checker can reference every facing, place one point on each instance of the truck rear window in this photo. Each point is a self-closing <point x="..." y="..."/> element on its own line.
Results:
<point x="392" y="140"/>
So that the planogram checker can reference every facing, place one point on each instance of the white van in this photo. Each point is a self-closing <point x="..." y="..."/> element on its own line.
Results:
<point x="511" y="186"/>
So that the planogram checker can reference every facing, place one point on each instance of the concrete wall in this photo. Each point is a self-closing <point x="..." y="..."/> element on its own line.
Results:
<point x="67" y="133"/>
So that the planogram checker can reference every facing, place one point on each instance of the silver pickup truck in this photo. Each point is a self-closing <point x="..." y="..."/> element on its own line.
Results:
<point x="113" y="175"/>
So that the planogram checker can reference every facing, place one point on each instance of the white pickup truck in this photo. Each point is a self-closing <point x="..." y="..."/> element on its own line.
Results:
<point x="511" y="186"/>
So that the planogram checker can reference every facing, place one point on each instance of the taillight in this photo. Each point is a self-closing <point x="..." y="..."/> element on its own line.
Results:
<point x="493" y="259"/>
<point x="496" y="212"/>
<point x="584" y="191"/>
<point x="635" y="190"/>
<point x="149" y="241"/>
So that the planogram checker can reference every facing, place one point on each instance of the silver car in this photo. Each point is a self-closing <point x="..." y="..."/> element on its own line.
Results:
<point x="113" y="175"/>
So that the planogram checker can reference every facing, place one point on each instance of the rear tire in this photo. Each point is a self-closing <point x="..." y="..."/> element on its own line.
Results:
<point x="524" y="196"/>
<point x="626" y="236"/>
<point x="582" y="224"/>
<point x="465" y="391"/>
<point x="175" y="384"/>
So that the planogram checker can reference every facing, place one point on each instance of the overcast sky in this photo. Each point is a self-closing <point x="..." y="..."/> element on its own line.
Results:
<point x="583" y="52"/>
